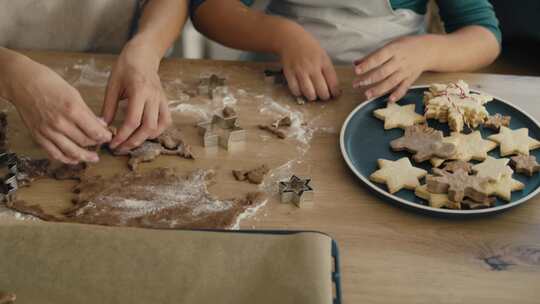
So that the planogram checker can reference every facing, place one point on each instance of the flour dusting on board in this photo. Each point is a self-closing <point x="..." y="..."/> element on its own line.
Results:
<point x="91" y="75"/>
<point x="160" y="198"/>
<point x="299" y="129"/>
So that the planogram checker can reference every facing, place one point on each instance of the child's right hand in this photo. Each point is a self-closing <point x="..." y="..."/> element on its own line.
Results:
<point x="307" y="67"/>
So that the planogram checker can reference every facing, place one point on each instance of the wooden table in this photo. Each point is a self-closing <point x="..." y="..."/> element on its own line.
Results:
<point x="389" y="255"/>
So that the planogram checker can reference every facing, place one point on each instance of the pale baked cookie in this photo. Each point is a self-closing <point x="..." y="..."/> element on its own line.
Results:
<point x="397" y="174"/>
<point x="468" y="146"/>
<point x="396" y="116"/>
<point x="515" y="141"/>
<point x="436" y="200"/>
<point x="455" y="104"/>
<point x="493" y="169"/>
<point x="503" y="188"/>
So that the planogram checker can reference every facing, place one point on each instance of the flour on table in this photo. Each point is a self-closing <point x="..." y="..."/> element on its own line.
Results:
<point x="91" y="75"/>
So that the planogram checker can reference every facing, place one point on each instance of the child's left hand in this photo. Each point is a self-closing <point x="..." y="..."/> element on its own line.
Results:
<point x="393" y="67"/>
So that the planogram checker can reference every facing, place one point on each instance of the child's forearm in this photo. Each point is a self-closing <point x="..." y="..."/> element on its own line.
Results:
<point x="467" y="49"/>
<point x="160" y="24"/>
<point x="231" y="23"/>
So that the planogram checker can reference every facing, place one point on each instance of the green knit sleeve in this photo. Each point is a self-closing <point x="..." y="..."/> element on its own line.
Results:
<point x="459" y="13"/>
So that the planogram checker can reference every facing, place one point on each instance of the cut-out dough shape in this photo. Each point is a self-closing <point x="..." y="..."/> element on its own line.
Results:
<point x="397" y="116"/>
<point x="515" y="141"/>
<point x="397" y="174"/>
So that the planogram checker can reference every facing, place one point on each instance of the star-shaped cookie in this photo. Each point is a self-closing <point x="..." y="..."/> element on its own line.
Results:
<point x="469" y="146"/>
<point x="503" y="188"/>
<point x="525" y="164"/>
<point x="493" y="168"/>
<point x="397" y="174"/>
<point x="515" y="141"/>
<point x="396" y="116"/>
<point x="436" y="200"/>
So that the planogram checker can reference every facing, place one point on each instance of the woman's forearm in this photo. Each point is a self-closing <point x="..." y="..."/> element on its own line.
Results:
<point x="10" y="63"/>
<point x="232" y="24"/>
<point x="160" y="24"/>
<point x="467" y="49"/>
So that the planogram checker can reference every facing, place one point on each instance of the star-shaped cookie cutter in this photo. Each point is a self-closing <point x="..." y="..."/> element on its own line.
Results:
<point x="296" y="190"/>
<point x="9" y="182"/>
<point x="222" y="131"/>
<point x="208" y="85"/>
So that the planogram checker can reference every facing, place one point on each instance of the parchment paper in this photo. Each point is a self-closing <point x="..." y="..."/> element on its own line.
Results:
<point x="70" y="263"/>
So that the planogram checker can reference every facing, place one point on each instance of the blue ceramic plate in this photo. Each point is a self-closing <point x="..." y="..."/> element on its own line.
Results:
<point x="363" y="140"/>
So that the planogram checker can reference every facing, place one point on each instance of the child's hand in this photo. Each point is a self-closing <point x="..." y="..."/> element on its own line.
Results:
<point x="307" y="67"/>
<point x="393" y="67"/>
<point x="135" y="78"/>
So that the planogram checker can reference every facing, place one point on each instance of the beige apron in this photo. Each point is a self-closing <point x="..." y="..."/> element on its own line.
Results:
<point x="350" y="29"/>
<point x="67" y="25"/>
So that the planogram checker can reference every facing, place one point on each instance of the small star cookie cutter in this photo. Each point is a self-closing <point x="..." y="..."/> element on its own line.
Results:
<point x="207" y="86"/>
<point x="222" y="131"/>
<point x="297" y="191"/>
<point x="9" y="181"/>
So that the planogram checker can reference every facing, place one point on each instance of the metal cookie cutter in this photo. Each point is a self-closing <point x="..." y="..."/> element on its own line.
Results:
<point x="296" y="190"/>
<point x="222" y="131"/>
<point x="9" y="184"/>
<point x="207" y="86"/>
<point x="274" y="77"/>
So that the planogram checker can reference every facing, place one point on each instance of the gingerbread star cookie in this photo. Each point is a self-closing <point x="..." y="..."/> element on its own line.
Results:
<point x="397" y="174"/>
<point x="396" y="116"/>
<point x="457" y="185"/>
<point x="493" y="169"/>
<point x="515" y="141"/>
<point x="469" y="146"/>
<point x="425" y="142"/>
<point x="503" y="188"/>
<point x="525" y="164"/>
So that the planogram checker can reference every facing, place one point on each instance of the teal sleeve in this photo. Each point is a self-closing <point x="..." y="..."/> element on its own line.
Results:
<point x="460" y="13"/>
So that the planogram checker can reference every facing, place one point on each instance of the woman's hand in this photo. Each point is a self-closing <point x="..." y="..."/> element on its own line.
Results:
<point x="135" y="78"/>
<point x="307" y="67"/>
<point x="393" y="68"/>
<point x="55" y="113"/>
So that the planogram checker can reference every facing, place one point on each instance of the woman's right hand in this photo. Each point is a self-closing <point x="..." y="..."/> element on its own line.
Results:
<point x="55" y="113"/>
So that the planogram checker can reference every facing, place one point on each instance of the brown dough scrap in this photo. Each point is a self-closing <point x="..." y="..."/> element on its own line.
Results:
<point x="150" y="150"/>
<point x="278" y="132"/>
<point x="525" y="164"/>
<point x="470" y="204"/>
<point x="496" y="121"/>
<point x="456" y="165"/>
<point x="282" y="122"/>
<point x="228" y="112"/>
<point x="31" y="169"/>
<point x="458" y="185"/>
<point x="7" y="298"/>
<point x="425" y="142"/>
<point x="255" y="176"/>
<point x="73" y="172"/>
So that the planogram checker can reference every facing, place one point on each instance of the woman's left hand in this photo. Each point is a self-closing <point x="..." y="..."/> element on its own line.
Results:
<point x="392" y="68"/>
<point x="135" y="78"/>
